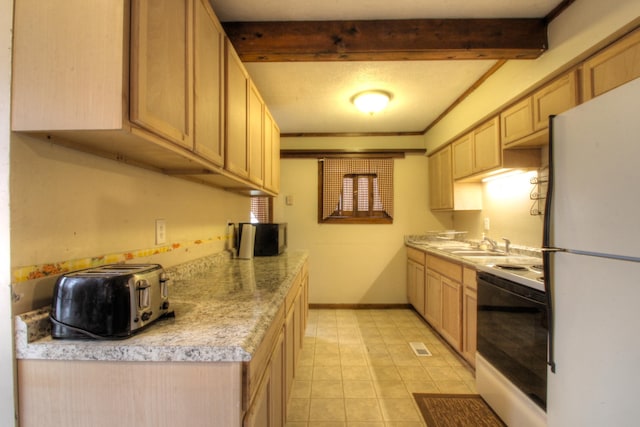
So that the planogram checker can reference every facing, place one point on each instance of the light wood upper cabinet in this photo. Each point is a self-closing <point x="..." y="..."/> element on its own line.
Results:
<point x="237" y="108"/>
<point x="477" y="151"/>
<point x="256" y="135"/>
<point x="517" y="121"/>
<point x="462" y="156"/>
<point x="525" y="123"/>
<point x="614" y="66"/>
<point x="558" y="96"/>
<point x="440" y="180"/>
<point x="209" y="83"/>
<point x="271" y="153"/>
<point x="486" y="146"/>
<point x="138" y="81"/>
<point x="161" y="78"/>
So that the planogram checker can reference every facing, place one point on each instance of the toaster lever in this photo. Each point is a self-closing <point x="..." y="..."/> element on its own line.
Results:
<point x="143" y="294"/>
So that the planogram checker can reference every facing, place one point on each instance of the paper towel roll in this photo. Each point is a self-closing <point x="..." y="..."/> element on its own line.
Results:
<point x="247" y="241"/>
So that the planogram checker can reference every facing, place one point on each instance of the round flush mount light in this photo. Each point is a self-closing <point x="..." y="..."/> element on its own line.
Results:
<point x="371" y="101"/>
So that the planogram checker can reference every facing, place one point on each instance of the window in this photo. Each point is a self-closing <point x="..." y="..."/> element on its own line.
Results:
<point x="261" y="209"/>
<point x="356" y="191"/>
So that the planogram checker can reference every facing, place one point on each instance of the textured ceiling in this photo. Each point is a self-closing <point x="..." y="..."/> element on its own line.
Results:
<point x="314" y="97"/>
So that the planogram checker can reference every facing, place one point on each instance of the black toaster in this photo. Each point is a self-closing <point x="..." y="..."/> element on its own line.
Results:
<point x="109" y="302"/>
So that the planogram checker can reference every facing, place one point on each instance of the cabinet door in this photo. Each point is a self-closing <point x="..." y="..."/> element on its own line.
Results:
<point x="556" y="97"/>
<point x="258" y="413"/>
<point x="441" y="179"/>
<point x="209" y="83"/>
<point x="433" y="299"/>
<point x="277" y="402"/>
<point x="486" y="146"/>
<point x="271" y="153"/>
<point x="614" y="66"/>
<point x="452" y="312"/>
<point x="256" y="135"/>
<point x="289" y="355"/>
<point x="236" y="107"/>
<point x="517" y="121"/>
<point x="161" y="69"/>
<point x="469" y="321"/>
<point x="416" y="285"/>
<point x="462" y="157"/>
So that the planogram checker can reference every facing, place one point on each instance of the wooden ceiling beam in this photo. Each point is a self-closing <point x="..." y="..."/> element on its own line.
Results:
<point x="388" y="40"/>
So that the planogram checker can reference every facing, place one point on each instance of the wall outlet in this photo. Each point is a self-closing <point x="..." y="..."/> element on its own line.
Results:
<point x="487" y="224"/>
<point x="161" y="231"/>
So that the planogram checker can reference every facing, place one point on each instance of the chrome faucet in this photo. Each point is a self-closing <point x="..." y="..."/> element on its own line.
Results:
<point x="491" y="242"/>
<point x="507" y="244"/>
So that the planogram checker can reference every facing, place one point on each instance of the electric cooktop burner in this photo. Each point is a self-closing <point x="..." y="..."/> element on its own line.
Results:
<point x="537" y="267"/>
<point x="511" y="266"/>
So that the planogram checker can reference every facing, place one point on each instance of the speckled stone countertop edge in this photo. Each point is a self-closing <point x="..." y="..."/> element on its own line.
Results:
<point x="33" y="329"/>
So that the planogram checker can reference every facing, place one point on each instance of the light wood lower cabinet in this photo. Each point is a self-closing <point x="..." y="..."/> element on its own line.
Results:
<point x="216" y="394"/>
<point x="469" y="315"/>
<point x="443" y="293"/>
<point x="416" y="279"/>
<point x="433" y="299"/>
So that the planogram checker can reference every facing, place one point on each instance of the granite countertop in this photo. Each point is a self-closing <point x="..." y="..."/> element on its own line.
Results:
<point x="222" y="307"/>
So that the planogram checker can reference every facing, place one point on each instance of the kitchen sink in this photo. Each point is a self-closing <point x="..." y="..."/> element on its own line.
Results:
<point x="477" y="253"/>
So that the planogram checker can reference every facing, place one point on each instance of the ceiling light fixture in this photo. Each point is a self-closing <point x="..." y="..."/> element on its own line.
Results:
<point x="371" y="101"/>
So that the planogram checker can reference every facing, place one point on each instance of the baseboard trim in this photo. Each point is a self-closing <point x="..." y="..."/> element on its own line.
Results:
<point x="359" y="306"/>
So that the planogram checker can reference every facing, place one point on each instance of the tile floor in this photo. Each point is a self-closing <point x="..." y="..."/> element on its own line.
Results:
<point x="357" y="369"/>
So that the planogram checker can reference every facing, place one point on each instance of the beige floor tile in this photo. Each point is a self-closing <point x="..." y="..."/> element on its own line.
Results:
<point x="304" y="373"/>
<point x="385" y="373"/>
<point x="362" y="410"/>
<point x="413" y="373"/>
<point x="326" y="389"/>
<point x="453" y="387"/>
<point x="399" y="410"/>
<point x="353" y="389"/>
<point x="361" y="373"/>
<point x="301" y="389"/>
<point x="327" y="360"/>
<point x="326" y="373"/>
<point x="298" y="409"/>
<point x="327" y="424"/>
<point x="353" y="359"/>
<point x="422" y="387"/>
<point x="391" y="389"/>
<point x="443" y="374"/>
<point x="357" y="369"/>
<point x="327" y="410"/>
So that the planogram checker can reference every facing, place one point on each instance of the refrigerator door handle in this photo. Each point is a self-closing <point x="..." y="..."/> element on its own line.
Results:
<point x="548" y="285"/>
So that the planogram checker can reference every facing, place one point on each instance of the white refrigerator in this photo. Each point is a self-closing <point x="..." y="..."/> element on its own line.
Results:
<point x="592" y="262"/>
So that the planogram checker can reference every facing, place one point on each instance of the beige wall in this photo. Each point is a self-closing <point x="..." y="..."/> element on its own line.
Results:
<point x="68" y="205"/>
<point x="356" y="264"/>
<point x="7" y="385"/>
<point x="576" y="33"/>
<point x="506" y="203"/>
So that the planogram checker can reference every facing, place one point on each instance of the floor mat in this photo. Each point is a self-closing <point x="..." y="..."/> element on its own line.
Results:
<point x="456" y="410"/>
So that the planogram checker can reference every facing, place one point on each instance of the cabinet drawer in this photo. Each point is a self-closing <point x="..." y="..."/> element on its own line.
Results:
<point x="446" y="268"/>
<point x="255" y="369"/>
<point x="469" y="278"/>
<point x="416" y="255"/>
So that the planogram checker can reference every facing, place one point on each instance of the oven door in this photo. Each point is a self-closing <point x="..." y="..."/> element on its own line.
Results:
<point x="512" y="333"/>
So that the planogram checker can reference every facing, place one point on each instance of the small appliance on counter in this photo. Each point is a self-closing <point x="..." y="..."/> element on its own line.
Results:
<point x="270" y="239"/>
<point x="109" y="302"/>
